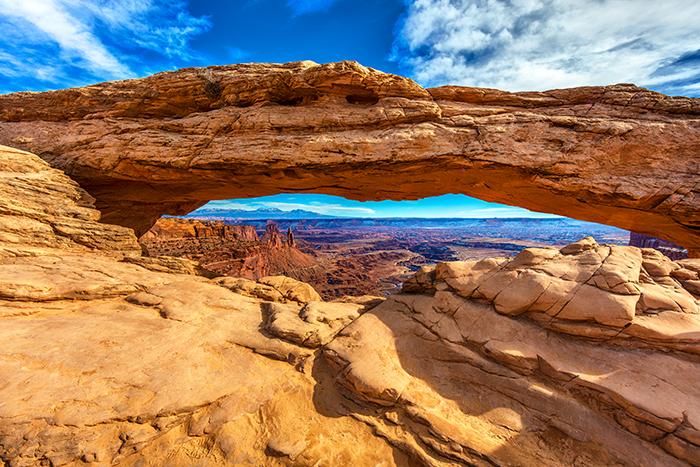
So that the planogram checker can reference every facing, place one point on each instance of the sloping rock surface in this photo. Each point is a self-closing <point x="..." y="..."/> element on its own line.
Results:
<point x="106" y="359"/>
<point x="168" y="143"/>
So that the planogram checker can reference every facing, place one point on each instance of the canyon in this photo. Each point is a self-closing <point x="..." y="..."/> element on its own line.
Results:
<point x="334" y="269"/>
<point x="352" y="256"/>
<point x="578" y="354"/>
<point x="228" y="249"/>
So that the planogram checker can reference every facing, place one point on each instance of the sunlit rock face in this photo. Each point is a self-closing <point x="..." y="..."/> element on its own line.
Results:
<point x="168" y="143"/>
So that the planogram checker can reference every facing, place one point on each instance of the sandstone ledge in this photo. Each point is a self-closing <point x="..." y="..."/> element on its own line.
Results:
<point x="620" y="295"/>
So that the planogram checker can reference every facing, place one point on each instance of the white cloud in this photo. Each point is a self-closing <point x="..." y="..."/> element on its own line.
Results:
<point x="312" y="206"/>
<point x="502" y="212"/>
<point x="320" y="208"/>
<point x="52" y="19"/>
<point x="225" y="204"/>
<point x="91" y="35"/>
<point x="545" y="44"/>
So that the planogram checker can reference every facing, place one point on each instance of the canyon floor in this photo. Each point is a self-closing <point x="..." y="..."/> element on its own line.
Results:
<point x="580" y="355"/>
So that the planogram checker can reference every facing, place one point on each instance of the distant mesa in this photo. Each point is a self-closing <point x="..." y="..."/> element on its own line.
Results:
<point x="669" y="249"/>
<point x="234" y="250"/>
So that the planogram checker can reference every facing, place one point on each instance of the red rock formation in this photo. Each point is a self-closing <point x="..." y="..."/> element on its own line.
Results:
<point x="619" y="155"/>
<point x="290" y="238"/>
<point x="272" y="237"/>
<point x="233" y="250"/>
<point x="174" y="228"/>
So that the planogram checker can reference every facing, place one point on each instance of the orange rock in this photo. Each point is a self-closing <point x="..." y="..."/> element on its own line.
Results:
<point x="166" y="144"/>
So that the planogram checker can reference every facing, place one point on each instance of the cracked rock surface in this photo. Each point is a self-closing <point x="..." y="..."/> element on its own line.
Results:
<point x="583" y="356"/>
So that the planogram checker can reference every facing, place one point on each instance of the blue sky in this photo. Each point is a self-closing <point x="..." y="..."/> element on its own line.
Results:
<point x="437" y="206"/>
<point x="508" y="44"/>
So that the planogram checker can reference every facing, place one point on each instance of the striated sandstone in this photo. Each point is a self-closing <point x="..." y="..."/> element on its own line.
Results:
<point x="175" y="229"/>
<point x="168" y="143"/>
<point x="41" y="208"/>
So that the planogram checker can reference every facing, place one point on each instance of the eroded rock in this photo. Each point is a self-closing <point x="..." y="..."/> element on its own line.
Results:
<point x="458" y="378"/>
<point x="41" y="208"/>
<point x="312" y="325"/>
<point x="584" y="289"/>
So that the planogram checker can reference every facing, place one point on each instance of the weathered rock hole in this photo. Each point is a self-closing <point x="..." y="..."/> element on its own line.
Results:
<point x="294" y="99"/>
<point x="212" y="86"/>
<point x="212" y="89"/>
<point x="290" y="101"/>
<point x="362" y="99"/>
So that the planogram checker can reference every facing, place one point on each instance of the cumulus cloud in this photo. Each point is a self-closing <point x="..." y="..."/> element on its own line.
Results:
<point x="60" y="36"/>
<point x="545" y="44"/>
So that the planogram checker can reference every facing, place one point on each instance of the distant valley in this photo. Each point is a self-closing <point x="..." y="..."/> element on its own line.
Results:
<point x="353" y="256"/>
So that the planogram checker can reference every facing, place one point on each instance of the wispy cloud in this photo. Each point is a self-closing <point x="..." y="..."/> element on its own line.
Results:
<point x="69" y="41"/>
<point x="225" y="204"/>
<point x="544" y="44"/>
<point x="336" y="209"/>
<point x="501" y="212"/>
<point x="320" y="208"/>
<point x="54" y="20"/>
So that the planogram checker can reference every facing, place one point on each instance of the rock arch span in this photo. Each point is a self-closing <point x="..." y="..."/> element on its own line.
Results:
<point x="618" y="155"/>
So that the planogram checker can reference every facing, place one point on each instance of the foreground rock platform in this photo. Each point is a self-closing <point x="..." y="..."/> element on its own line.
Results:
<point x="618" y="155"/>
<point x="585" y="355"/>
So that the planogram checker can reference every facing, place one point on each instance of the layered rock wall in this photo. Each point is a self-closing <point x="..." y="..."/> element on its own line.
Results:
<point x="175" y="228"/>
<point x="234" y="250"/>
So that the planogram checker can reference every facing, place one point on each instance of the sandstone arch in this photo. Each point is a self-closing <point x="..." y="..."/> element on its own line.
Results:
<point x="619" y="155"/>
